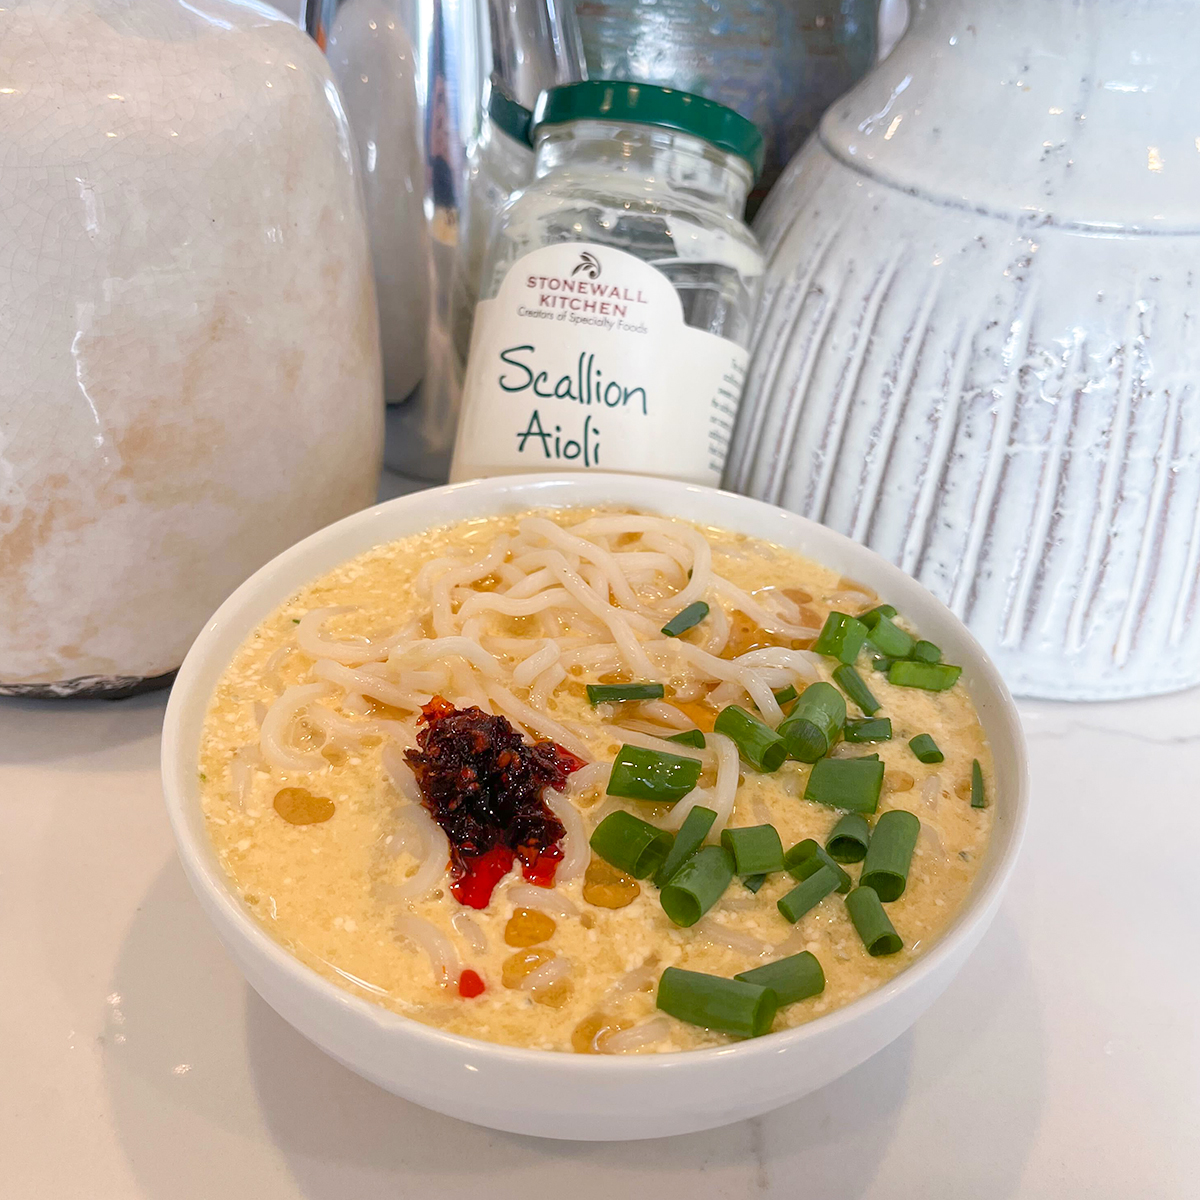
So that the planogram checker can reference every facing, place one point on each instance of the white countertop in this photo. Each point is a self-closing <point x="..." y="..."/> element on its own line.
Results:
<point x="1063" y="1062"/>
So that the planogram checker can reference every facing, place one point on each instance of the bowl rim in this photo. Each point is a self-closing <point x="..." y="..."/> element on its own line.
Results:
<point x="200" y="863"/>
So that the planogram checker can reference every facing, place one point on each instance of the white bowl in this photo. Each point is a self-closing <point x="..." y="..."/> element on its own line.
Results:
<point x="538" y="1091"/>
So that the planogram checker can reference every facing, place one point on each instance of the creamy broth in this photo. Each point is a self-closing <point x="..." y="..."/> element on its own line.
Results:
<point x="332" y="890"/>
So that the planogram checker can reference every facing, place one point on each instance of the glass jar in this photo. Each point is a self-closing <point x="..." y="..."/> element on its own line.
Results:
<point x="618" y="292"/>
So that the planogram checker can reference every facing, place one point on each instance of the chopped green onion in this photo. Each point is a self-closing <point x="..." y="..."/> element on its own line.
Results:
<point x="796" y="977"/>
<point x="726" y="1005"/>
<point x="757" y="743"/>
<point x="640" y="774"/>
<point x="753" y="882"/>
<point x="932" y="677"/>
<point x="697" y="885"/>
<point x="688" y="840"/>
<point x="870" y="618"/>
<point x="812" y="727"/>
<point x="786" y="696"/>
<point x="630" y="844"/>
<point x="978" y="796"/>
<point x="848" y="841"/>
<point x="689" y="618"/>
<point x="756" y="849"/>
<point x="868" y="729"/>
<point x="887" y="637"/>
<point x="849" y="783"/>
<point x="877" y="932"/>
<point x="607" y="693"/>
<point x="881" y="662"/>
<point x="885" y="869"/>
<point x="852" y="683"/>
<point x="689" y="737"/>
<point x="926" y="749"/>
<point x="841" y="637"/>
<point x="807" y="857"/>
<point x="925" y="651"/>
<point x="807" y="895"/>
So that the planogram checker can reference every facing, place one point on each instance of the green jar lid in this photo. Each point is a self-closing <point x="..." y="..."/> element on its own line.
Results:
<point x="515" y="119"/>
<point x="648" y="104"/>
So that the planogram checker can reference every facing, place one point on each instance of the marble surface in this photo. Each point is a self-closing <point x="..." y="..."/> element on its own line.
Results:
<point x="1064" y="1062"/>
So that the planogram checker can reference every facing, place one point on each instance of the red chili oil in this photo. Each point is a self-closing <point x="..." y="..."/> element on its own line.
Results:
<point x="483" y="784"/>
<point x="470" y="985"/>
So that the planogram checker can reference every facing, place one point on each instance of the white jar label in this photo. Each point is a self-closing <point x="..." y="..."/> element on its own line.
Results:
<point x="583" y="361"/>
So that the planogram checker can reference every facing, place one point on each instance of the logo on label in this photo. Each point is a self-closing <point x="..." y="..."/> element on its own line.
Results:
<point x="589" y="264"/>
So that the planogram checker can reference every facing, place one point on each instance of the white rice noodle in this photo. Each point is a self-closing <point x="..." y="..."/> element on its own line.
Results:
<point x="931" y="791"/>
<point x="275" y="736"/>
<point x="547" y="900"/>
<point x="591" y="776"/>
<point x="693" y="539"/>
<point x="547" y="682"/>
<point x="437" y="649"/>
<point x="576" y="852"/>
<point x="483" y="602"/>
<point x="260" y="711"/>
<point x="633" y="980"/>
<point x="468" y="929"/>
<point x="636" y="738"/>
<point x="638" y="563"/>
<point x="546" y="655"/>
<point x="795" y="941"/>
<point x="930" y="842"/>
<point x="442" y="956"/>
<point x="401" y="774"/>
<point x="352" y="651"/>
<point x="698" y="795"/>
<point x="241" y="771"/>
<point x="625" y="1041"/>
<point x="785" y="606"/>
<point x="367" y="683"/>
<point x="270" y="673"/>
<point x="716" y="630"/>
<point x="347" y="734"/>
<point x="725" y="790"/>
<point x="734" y="939"/>
<point x="618" y="624"/>
<point x="729" y="692"/>
<point x="547" y="975"/>
<point x="536" y="722"/>
<point x="758" y="613"/>
<point x="668" y="714"/>
<point x="432" y="853"/>
<point x="851" y="599"/>
<point x="605" y="563"/>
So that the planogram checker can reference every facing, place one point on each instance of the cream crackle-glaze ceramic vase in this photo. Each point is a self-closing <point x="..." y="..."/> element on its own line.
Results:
<point x="979" y="344"/>
<point x="189" y="355"/>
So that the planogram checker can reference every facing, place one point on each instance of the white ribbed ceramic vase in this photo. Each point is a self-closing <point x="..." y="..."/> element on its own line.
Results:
<point x="189" y="351"/>
<point x="979" y="344"/>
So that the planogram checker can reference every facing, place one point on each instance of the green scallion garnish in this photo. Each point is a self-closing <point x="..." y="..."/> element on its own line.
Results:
<point x="753" y="882"/>
<point x="885" y="868"/>
<point x="849" y="839"/>
<point x="786" y="696"/>
<point x="689" y="618"/>
<point x="926" y="749"/>
<point x="808" y="894"/>
<point x="978" y="796"/>
<point x="609" y="693"/>
<point x="796" y="977"/>
<point x="841" y="637"/>
<point x="925" y="651"/>
<point x="812" y="727"/>
<point x="689" y="737"/>
<point x="877" y="932"/>
<point x="758" y="744"/>
<point x="873" y="615"/>
<point x="630" y="844"/>
<point x="868" y="729"/>
<point x="697" y="885"/>
<point x="852" y="784"/>
<point x="888" y="638"/>
<point x="756" y="849"/>
<point x="639" y="774"/>
<point x="852" y="683"/>
<point x="807" y="857"/>
<point x="932" y="677"/>
<point x="726" y="1005"/>
<point x="688" y="840"/>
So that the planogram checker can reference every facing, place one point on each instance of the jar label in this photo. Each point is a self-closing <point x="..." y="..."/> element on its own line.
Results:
<point x="583" y="361"/>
